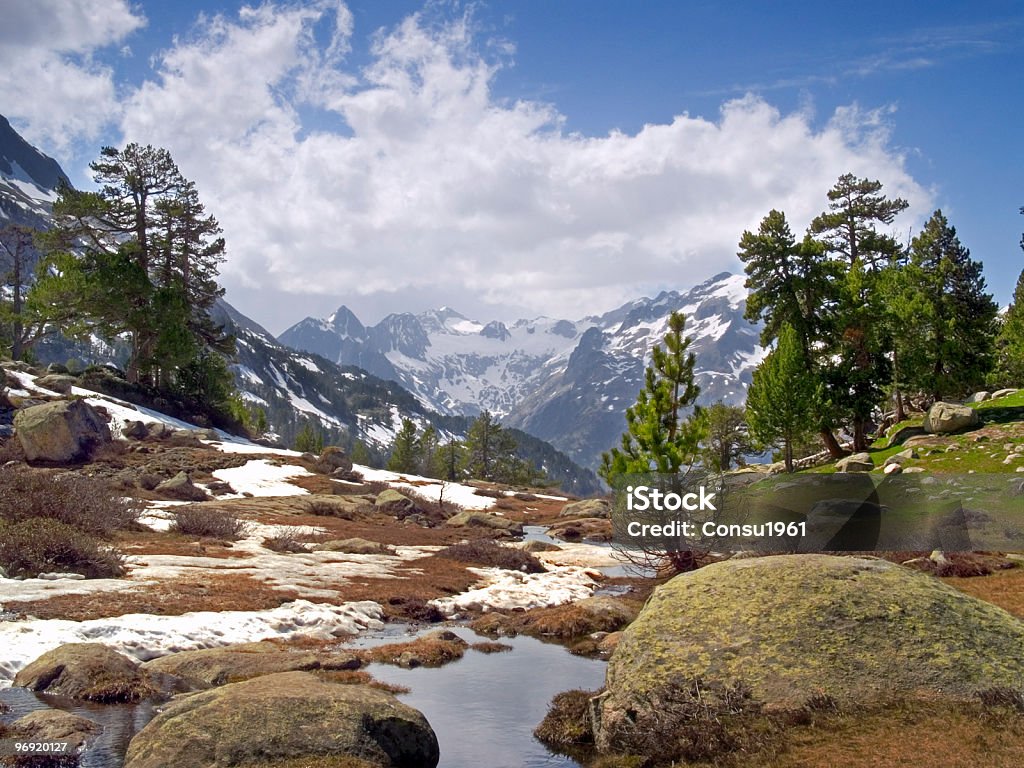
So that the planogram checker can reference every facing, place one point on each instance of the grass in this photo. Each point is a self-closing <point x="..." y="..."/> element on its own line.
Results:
<point x="1003" y="588"/>
<point x="560" y="622"/>
<point x="433" y="650"/>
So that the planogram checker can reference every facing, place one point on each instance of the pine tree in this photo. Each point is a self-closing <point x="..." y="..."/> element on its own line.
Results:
<point x="727" y="440"/>
<point x="780" y="403"/>
<point x="490" y="452"/>
<point x="426" y="452"/>
<point x="956" y="337"/>
<point x="404" y="450"/>
<point x="1009" y="369"/>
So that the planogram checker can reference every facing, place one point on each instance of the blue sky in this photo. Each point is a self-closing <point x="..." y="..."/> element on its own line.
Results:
<point x="519" y="158"/>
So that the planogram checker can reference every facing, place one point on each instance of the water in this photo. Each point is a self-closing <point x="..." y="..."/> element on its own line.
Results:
<point x="484" y="707"/>
<point x="120" y="722"/>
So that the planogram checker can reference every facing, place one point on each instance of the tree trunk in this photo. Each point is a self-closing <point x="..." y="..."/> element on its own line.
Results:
<point x="788" y="455"/>
<point x="860" y="442"/>
<point x="835" y="450"/>
<point x="683" y="561"/>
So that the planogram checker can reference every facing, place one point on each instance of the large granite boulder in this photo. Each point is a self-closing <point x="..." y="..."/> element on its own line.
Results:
<point x="60" y="432"/>
<point x="209" y="667"/>
<point x="90" y="671"/>
<point x="472" y="519"/>
<point x="281" y="717"/>
<point x="391" y="502"/>
<point x="793" y="626"/>
<point x="857" y="462"/>
<point x="949" y="417"/>
<point x="181" y="488"/>
<point x="587" y="508"/>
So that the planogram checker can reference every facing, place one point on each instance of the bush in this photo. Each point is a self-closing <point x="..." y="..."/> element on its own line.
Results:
<point x="42" y="545"/>
<point x="210" y="523"/>
<point x="488" y="553"/>
<point x="567" y="721"/>
<point x="86" y="503"/>
<point x="286" y="541"/>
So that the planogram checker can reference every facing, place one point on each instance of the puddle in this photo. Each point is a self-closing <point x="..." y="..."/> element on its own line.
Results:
<point x="484" y="707"/>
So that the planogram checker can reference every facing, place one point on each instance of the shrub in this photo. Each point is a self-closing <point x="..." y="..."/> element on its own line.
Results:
<point x="42" y="545"/>
<point x="86" y="503"/>
<point x="210" y="523"/>
<point x="567" y="721"/>
<point x="488" y="553"/>
<point x="286" y="541"/>
<point x="1010" y="698"/>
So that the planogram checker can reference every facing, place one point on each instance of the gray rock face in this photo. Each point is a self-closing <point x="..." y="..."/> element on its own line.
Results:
<point x="181" y="487"/>
<point x="978" y="397"/>
<point x="60" y="432"/>
<point x="56" y="382"/>
<point x="949" y="417"/>
<point x="86" y="671"/>
<point x="285" y="716"/>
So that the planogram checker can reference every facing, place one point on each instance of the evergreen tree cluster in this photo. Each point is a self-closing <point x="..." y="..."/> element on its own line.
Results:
<point x="136" y="261"/>
<point x="857" y="319"/>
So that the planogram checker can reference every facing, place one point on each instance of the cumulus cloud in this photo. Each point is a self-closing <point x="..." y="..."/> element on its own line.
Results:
<point x="419" y="179"/>
<point x="49" y="81"/>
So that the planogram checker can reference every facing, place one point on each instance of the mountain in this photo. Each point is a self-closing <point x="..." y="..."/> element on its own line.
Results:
<point x="567" y="382"/>
<point x="28" y="180"/>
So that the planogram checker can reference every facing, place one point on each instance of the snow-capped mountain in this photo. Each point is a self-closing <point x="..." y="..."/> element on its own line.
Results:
<point x="28" y="180"/>
<point x="567" y="382"/>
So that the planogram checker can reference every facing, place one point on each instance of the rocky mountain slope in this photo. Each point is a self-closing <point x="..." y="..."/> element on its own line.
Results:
<point x="567" y="382"/>
<point x="28" y="180"/>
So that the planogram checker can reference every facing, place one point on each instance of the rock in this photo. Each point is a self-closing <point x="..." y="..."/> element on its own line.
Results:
<point x="86" y="671"/>
<point x="902" y="456"/>
<point x="57" y="576"/>
<point x="943" y="418"/>
<point x="473" y="519"/>
<point x="355" y="546"/>
<point x="857" y="462"/>
<point x="391" y="502"/>
<point x="135" y="430"/>
<point x="149" y="481"/>
<point x="539" y="546"/>
<point x="609" y="643"/>
<point x="905" y="433"/>
<point x="587" y="508"/>
<point x="158" y="430"/>
<point x="1003" y="393"/>
<point x="56" y="382"/>
<point x="61" y="432"/>
<point x="180" y="487"/>
<point x="978" y="397"/>
<point x="793" y="626"/>
<point x="211" y="667"/>
<point x="284" y="716"/>
<point x="220" y="488"/>
<point x="594" y="528"/>
<point x="333" y="458"/>
<point x="55" y="725"/>
<point x="892" y="469"/>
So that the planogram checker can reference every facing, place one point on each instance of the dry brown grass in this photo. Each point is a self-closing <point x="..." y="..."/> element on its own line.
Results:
<point x="214" y="592"/>
<point x="433" y="650"/>
<point x="559" y="622"/>
<point x="360" y="677"/>
<point x="171" y="543"/>
<point x="491" y="647"/>
<point x="417" y="582"/>
<point x="1004" y="588"/>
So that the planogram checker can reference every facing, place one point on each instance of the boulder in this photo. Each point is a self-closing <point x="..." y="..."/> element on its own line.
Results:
<point x="949" y="417"/>
<point x="56" y="382"/>
<point x="579" y="528"/>
<point x="901" y="457"/>
<point x="354" y="546"/>
<point x="587" y="508"/>
<point x="391" y="502"/>
<point x="61" y="432"/>
<point x="795" y="626"/>
<point x="978" y="397"/>
<point x="55" y="725"/>
<point x="473" y="519"/>
<point x="135" y="430"/>
<point x="533" y="545"/>
<point x="333" y="458"/>
<point x="1003" y="393"/>
<point x="289" y="716"/>
<point x="181" y="487"/>
<point x="857" y="462"/>
<point x="211" y="667"/>
<point x="89" y="671"/>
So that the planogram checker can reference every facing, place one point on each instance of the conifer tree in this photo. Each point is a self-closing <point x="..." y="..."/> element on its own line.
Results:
<point x="780" y="407"/>
<point x="1009" y="369"/>
<point x="727" y="440"/>
<point x="404" y="451"/>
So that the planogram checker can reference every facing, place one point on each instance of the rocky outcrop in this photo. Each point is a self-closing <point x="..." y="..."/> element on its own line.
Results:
<point x="181" y="488"/>
<point x="285" y="716"/>
<point x="858" y="462"/>
<point x="792" y="626"/>
<point x="471" y="519"/>
<point x="587" y="508"/>
<point x="60" y="432"/>
<point x="86" y="671"/>
<point x="943" y="418"/>
<point x="211" y="667"/>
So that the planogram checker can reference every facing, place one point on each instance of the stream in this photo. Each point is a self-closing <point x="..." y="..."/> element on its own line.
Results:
<point x="483" y="707"/>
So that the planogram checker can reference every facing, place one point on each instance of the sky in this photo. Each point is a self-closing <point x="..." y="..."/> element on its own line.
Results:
<point x="536" y="157"/>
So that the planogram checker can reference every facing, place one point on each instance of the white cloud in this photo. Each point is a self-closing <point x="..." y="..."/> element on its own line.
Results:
<point x="431" y="181"/>
<point x="49" y="81"/>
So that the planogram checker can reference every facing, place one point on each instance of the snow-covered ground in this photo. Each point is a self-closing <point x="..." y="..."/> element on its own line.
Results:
<point x="508" y="590"/>
<point x="428" y="488"/>
<point x="146" y="636"/>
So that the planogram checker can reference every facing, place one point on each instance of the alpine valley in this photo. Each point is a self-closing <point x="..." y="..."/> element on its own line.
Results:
<point x="555" y="381"/>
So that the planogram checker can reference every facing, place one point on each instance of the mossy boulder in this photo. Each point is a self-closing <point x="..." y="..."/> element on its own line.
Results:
<point x="55" y="725"/>
<point x="88" y="671"/>
<point x="791" y="626"/>
<point x="943" y="418"/>
<point x="281" y="717"/>
<point x="587" y="508"/>
<point x="472" y="519"/>
<point x="60" y="432"/>
<point x="391" y="502"/>
<point x="209" y="667"/>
